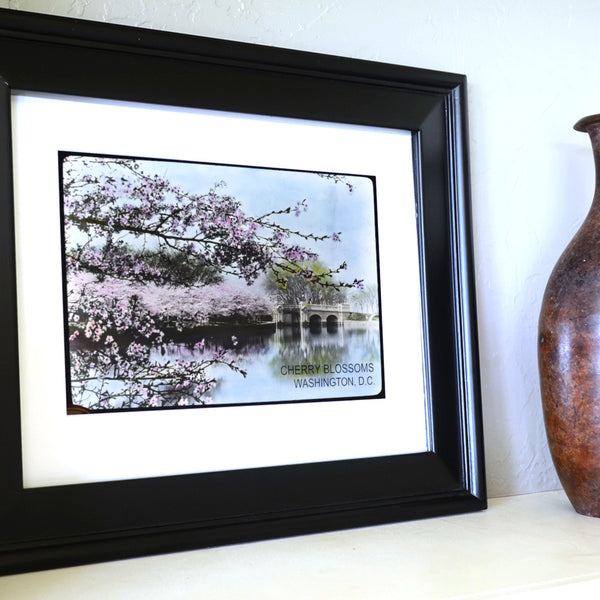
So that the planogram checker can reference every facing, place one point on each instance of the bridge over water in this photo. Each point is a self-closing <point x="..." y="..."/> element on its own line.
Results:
<point x="309" y="315"/>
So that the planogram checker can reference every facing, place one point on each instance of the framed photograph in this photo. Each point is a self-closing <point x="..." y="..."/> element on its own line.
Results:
<point x="237" y="296"/>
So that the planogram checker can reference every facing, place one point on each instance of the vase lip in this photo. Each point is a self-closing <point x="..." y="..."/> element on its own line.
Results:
<point x="583" y="124"/>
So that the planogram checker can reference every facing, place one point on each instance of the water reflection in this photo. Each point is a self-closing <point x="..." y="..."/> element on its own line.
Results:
<point x="324" y="360"/>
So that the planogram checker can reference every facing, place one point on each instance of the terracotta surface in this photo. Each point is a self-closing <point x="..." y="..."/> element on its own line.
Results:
<point x="569" y="355"/>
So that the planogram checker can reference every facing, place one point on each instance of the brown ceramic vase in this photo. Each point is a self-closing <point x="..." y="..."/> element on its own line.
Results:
<point x="569" y="354"/>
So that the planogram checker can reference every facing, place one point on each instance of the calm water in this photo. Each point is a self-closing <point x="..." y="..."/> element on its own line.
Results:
<point x="293" y="364"/>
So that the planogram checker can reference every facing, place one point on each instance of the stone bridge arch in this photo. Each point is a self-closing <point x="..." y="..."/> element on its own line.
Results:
<point x="312" y="314"/>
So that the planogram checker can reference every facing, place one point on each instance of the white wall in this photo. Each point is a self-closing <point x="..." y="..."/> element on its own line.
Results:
<point x="533" y="71"/>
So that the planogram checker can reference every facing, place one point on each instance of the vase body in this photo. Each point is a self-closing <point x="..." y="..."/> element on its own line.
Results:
<point x="569" y="355"/>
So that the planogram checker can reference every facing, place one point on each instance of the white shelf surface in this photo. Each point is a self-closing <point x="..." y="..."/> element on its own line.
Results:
<point x="522" y="547"/>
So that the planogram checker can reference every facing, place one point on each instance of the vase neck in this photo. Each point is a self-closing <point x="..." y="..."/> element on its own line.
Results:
<point x="591" y="126"/>
<point x="595" y="139"/>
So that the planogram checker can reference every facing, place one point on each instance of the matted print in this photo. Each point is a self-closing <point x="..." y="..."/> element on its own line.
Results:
<point x="195" y="284"/>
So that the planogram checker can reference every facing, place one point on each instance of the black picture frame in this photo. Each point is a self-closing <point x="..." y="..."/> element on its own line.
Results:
<point x="58" y="526"/>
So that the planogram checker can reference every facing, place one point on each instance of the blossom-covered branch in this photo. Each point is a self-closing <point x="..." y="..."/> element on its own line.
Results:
<point x="111" y="206"/>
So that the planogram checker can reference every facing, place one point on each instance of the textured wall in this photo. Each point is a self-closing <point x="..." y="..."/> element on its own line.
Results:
<point x="532" y="73"/>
